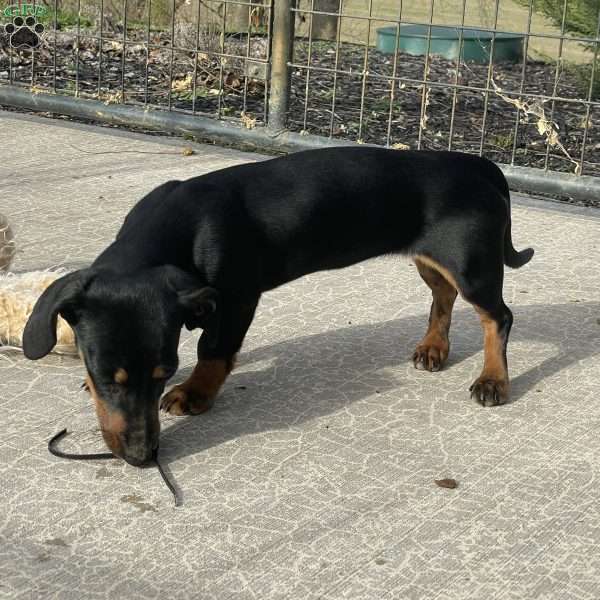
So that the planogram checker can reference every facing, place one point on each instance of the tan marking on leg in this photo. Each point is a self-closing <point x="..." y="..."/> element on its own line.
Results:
<point x="492" y="386"/>
<point x="431" y="353"/>
<point x="112" y="422"/>
<point x="432" y="264"/>
<point x="493" y="346"/>
<point x="208" y="377"/>
<point x="196" y="395"/>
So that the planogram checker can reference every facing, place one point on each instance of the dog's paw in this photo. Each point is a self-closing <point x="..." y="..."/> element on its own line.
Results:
<point x="489" y="392"/>
<point x="429" y="357"/>
<point x="182" y="400"/>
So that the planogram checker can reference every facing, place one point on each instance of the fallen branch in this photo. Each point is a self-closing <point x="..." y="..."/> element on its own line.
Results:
<point x="545" y="127"/>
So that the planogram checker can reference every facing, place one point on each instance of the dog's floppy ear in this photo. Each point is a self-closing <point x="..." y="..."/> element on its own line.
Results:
<point x="39" y="335"/>
<point x="200" y="308"/>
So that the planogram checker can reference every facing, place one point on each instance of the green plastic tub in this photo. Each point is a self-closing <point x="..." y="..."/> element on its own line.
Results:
<point x="476" y="44"/>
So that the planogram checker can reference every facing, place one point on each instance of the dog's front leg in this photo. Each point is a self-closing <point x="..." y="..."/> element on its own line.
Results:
<point x="198" y="392"/>
<point x="215" y="360"/>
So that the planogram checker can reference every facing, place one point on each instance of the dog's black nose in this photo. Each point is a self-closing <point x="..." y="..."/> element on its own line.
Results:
<point x="139" y="447"/>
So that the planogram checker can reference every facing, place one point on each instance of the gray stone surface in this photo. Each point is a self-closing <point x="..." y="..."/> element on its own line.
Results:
<point x="313" y="475"/>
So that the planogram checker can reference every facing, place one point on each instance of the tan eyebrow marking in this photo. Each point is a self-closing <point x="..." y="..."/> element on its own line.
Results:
<point x="121" y="376"/>
<point x="158" y="373"/>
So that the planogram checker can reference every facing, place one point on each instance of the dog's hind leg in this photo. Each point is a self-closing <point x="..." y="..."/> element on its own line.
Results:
<point x="432" y="351"/>
<point x="481" y="286"/>
<point x="215" y="360"/>
<point x="492" y="386"/>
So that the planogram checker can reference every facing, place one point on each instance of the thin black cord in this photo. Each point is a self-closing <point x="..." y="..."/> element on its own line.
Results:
<point x="54" y="450"/>
<point x="106" y="455"/>
<point x="167" y="481"/>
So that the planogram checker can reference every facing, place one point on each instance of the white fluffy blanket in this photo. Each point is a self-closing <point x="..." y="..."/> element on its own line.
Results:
<point x="19" y="293"/>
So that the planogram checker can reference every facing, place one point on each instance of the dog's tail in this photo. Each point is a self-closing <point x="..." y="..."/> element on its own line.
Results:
<point x="512" y="258"/>
<point x="8" y="246"/>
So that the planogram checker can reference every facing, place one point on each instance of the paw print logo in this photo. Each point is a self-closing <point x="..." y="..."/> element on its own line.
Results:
<point x="24" y="32"/>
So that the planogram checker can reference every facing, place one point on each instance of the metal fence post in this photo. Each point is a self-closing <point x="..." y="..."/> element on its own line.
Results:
<point x="282" y="46"/>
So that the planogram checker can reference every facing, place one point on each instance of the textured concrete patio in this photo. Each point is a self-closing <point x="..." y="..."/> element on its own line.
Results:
<point x="313" y="476"/>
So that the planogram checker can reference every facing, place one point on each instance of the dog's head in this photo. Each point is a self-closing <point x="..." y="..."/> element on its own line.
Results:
<point x="127" y="330"/>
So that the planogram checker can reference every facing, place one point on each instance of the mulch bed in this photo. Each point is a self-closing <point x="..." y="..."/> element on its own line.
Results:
<point x="406" y="116"/>
<point x="164" y="78"/>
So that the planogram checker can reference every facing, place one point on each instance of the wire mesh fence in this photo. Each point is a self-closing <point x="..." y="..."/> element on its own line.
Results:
<point x="443" y="80"/>
<point x="508" y="79"/>
<point x="198" y="56"/>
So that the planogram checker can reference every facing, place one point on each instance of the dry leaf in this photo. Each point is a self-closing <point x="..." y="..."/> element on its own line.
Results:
<point x="248" y="120"/>
<point x="114" y="98"/>
<point x="182" y="85"/>
<point x="446" y="483"/>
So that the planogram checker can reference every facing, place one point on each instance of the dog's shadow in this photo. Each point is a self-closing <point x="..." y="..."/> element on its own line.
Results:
<point x="281" y="385"/>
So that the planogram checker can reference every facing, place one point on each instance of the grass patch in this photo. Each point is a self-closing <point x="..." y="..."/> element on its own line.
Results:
<point x="65" y="19"/>
<point x="512" y="17"/>
<point x="583" y="75"/>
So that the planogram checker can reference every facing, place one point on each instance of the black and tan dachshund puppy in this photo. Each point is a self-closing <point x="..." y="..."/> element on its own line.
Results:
<point x="200" y="253"/>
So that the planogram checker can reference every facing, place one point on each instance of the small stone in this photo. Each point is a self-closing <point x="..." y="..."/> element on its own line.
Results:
<point x="446" y="483"/>
<point x="187" y="151"/>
